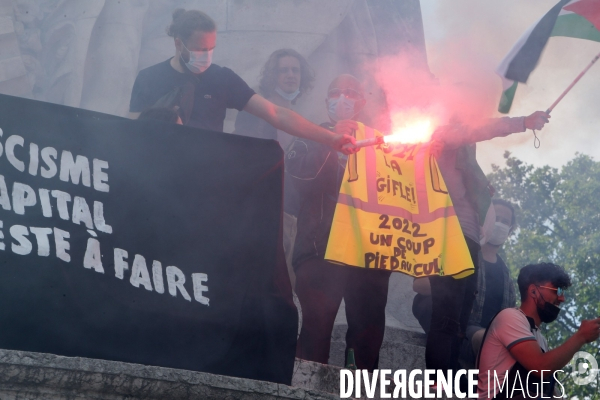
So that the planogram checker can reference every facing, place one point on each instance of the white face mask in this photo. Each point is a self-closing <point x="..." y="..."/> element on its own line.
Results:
<point x="287" y="96"/>
<point x="499" y="234"/>
<point x="340" y="108"/>
<point x="199" y="60"/>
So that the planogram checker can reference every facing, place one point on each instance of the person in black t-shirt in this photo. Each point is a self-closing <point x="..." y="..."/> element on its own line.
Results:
<point x="202" y="91"/>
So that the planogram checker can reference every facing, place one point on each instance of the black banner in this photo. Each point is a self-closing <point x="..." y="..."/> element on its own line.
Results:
<point x="143" y="242"/>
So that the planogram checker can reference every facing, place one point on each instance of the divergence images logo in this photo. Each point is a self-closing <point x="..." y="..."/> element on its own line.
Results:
<point x="583" y="372"/>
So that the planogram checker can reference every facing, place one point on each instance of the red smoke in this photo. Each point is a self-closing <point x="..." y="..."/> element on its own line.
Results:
<point x="461" y="91"/>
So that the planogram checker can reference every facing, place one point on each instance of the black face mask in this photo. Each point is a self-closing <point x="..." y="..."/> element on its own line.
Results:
<point x="549" y="312"/>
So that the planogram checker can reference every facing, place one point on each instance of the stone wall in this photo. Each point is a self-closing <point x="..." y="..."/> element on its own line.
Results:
<point x="37" y="376"/>
<point x="13" y="75"/>
<point x="87" y="53"/>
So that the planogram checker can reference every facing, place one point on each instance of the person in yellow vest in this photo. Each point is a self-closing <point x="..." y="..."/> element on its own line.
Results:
<point x="317" y="172"/>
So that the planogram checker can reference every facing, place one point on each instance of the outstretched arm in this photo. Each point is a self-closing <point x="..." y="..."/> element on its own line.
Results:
<point x="456" y="135"/>
<point x="531" y="357"/>
<point x="292" y="123"/>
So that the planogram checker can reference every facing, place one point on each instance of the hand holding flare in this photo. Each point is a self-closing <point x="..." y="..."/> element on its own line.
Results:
<point x="417" y="131"/>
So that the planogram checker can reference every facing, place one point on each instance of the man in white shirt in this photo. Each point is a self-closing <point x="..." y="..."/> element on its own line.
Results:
<point x="515" y="361"/>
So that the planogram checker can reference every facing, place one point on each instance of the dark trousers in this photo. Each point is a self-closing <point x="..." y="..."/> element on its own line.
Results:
<point x="421" y="309"/>
<point x="452" y="301"/>
<point x="320" y="287"/>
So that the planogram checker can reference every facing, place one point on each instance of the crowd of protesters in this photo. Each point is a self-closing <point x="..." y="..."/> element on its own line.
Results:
<point x="189" y="89"/>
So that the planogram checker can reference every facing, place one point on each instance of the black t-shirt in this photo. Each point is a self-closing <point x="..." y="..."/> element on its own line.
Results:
<point x="494" y="290"/>
<point x="217" y="89"/>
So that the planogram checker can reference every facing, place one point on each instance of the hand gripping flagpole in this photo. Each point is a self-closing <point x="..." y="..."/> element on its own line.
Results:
<point x="549" y="110"/>
<point x="536" y="141"/>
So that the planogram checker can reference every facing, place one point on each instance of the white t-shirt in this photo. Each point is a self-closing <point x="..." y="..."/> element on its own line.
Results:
<point x="510" y="327"/>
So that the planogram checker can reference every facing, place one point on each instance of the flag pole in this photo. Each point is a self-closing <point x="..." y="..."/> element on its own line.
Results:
<point x="549" y="110"/>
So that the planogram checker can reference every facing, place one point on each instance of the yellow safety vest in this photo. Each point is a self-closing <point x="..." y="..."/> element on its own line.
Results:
<point x="394" y="213"/>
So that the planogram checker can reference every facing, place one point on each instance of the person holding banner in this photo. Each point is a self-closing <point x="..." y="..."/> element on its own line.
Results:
<point x="317" y="172"/>
<point x="470" y="192"/>
<point x="202" y="91"/>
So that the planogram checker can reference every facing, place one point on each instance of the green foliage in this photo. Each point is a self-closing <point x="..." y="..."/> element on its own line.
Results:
<point x="558" y="215"/>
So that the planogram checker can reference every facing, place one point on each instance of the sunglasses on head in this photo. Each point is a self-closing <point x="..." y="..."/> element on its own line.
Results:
<point x="559" y="292"/>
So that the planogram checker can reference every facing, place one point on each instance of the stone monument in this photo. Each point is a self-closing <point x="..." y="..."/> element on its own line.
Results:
<point x="87" y="54"/>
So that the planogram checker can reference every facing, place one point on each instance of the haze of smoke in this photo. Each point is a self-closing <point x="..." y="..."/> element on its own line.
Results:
<point x="464" y="90"/>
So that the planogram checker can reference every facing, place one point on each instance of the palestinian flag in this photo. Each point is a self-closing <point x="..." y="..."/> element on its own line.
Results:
<point x="571" y="18"/>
